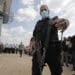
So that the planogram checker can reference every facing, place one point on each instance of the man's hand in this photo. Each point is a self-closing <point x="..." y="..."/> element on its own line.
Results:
<point x="33" y="44"/>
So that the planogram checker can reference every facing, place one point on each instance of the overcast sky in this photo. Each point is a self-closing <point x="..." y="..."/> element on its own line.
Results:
<point x="26" y="14"/>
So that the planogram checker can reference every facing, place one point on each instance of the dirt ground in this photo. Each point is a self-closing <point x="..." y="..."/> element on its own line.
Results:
<point x="12" y="64"/>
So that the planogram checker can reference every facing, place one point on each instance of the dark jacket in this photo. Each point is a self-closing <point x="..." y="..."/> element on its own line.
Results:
<point x="41" y="29"/>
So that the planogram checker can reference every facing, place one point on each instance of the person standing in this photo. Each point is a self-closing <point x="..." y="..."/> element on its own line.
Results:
<point x="49" y="42"/>
<point x="21" y="48"/>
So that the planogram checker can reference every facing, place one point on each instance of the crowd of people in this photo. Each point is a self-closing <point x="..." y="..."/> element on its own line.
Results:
<point x="69" y="51"/>
<point x="13" y="48"/>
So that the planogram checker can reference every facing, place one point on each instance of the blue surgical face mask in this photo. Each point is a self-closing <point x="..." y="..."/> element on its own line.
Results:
<point x="44" y="14"/>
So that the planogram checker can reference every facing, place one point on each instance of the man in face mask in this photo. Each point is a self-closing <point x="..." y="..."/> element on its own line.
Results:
<point x="44" y="12"/>
<point x="48" y="42"/>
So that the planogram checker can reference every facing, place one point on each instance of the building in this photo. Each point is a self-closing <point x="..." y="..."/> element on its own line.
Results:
<point x="4" y="12"/>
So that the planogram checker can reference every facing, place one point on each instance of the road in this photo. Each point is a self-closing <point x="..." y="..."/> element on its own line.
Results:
<point x="12" y="64"/>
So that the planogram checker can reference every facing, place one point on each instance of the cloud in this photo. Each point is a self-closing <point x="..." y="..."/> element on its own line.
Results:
<point x="18" y="29"/>
<point x="66" y="2"/>
<point x="27" y="2"/>
<point x="27" y="14"/>
<point x="5" y="32"/>
<point x="15" y="35"/>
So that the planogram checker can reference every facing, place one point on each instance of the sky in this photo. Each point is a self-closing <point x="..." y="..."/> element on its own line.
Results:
<point x="26" y="13"/>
